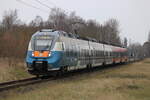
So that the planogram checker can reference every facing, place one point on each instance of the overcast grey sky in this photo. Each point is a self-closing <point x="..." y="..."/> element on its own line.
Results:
<point x="133" y="15"/>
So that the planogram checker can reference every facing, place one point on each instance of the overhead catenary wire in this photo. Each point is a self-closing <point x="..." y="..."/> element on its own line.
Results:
<point x="47" y="6"/>
<point x="51" y="3"/>
<point x="43" y="4"/>
<point x="32" y="6"/>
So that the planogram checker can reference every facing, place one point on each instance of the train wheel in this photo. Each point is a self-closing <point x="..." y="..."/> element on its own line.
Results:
<point x="104" y="64"/>
<point x="62" y="71"/>
<point x="37" y="76"/>
<point x="89" y="67"/>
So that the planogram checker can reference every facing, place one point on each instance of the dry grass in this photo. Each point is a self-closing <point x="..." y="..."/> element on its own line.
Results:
<point x="129" y="82"/>
<point x="12" y="70"/>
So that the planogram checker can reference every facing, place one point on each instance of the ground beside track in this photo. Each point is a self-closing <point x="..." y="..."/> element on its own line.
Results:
<point x="12" y="69"/>
<point x="124" y="82"/>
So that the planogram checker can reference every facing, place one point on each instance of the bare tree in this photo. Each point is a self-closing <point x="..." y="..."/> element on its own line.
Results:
<point x="136" y="50"/>
<point x="58" y="18"/>
<point x="111" y="30"/>
<point x="37" y="22"/>
<point x="10" y="19"/>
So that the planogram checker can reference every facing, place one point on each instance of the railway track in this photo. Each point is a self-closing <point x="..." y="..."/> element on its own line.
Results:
<point x="18" y="83"/>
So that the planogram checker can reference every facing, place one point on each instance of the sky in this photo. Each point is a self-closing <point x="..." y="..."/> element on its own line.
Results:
<point x="133" y="15"/>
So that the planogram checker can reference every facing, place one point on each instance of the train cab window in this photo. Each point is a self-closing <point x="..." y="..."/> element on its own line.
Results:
<point x="42" y="42"/>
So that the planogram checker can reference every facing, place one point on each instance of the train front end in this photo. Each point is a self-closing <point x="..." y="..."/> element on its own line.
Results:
<point x="44" y="52"/>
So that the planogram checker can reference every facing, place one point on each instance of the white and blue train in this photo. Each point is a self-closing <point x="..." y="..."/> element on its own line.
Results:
<point x="52" y="50"/>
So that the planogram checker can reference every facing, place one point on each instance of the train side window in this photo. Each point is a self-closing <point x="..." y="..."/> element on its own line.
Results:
<point x="82" y="53"/>
<point x="69" y="51"/>
<point x="96" y="53"/>
<point x="102" y="53"/>
<point x="99" y="53"/>
<point x="87" y="54"/>
<point x="66" y="52"/>
<point x="105" y="53"/>
<point x="111" y="54"/>
<point x="108" y="54"/>
<point x="91" y="52"/>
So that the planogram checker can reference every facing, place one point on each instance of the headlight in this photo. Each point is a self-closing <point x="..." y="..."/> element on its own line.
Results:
<point x="49" y="54"/>
<point x="32" y="54"/>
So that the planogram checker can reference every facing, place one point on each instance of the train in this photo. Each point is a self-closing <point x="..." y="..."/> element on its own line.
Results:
<point x="52" y="50"/>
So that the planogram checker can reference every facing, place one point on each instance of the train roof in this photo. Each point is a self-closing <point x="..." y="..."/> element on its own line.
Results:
<point x="54" y="32"/>
<point x="46" y="32"/>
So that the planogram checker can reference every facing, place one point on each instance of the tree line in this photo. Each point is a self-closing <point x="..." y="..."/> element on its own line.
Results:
<point x="15" y="34"/>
